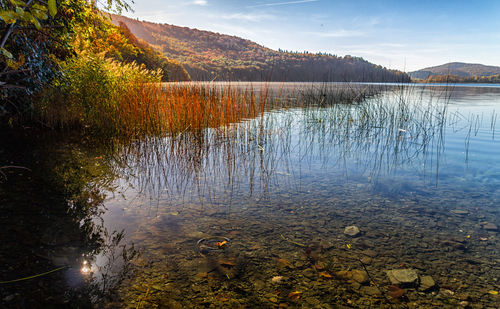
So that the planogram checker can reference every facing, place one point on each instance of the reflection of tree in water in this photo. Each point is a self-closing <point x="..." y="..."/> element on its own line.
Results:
<point x="49" y="218"/>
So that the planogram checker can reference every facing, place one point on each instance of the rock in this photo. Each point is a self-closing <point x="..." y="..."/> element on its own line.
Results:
<point x="327" y="245"/>
<point x="426" y="283"/>
<point x="343" y="274"/>
<point x="402" y="276"/>
<point x="459" y="212"/>
<point x="366" y="260"/>
<point x="351" y="230"/>
<point x="370" y="290"/>
<point x="490" y="227"/>
<point x="447" y="293"/>
<point x="283" y="263"/>
<point x="369" y="252"/>
<point x="360" y="276"/>
<point x="309" y="273"/>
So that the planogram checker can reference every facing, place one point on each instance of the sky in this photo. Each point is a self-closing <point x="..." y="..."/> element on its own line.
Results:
<point x="405" y="35"/>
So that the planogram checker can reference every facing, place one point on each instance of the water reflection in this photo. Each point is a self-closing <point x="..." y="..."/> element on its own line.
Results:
<point x="283" y="186"/>
<point x="414" y="169"/>
<point x="51" y="232"/>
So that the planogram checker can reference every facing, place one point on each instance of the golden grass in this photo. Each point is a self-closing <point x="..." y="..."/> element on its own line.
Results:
<point x="179" y="107"/>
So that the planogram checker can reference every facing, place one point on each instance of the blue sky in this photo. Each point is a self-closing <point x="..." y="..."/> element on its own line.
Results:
<point x="405" y="35"/>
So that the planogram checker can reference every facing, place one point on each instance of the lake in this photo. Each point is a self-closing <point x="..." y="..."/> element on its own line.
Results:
<point x="392" y="201"/>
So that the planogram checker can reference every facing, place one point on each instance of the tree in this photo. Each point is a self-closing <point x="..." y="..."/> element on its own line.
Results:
<point x="34" y="36"/>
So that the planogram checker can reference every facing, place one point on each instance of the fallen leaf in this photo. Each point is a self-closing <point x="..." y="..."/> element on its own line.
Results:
<point x="294" y="295"/>
<point x="493" y="292"/>
<point x="395" y="291"/>
<point x="226" y="263"/>
<point x="324" y="274"/>
<point x="221" y="244"/>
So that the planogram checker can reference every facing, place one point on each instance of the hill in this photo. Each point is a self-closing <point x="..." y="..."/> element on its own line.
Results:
<point x="212" y="56"/>
<point x="457" y="69"/>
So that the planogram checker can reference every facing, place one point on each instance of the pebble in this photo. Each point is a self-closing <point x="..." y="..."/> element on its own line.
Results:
<point x="351" y="230"/>
<point x="490" y="227"/>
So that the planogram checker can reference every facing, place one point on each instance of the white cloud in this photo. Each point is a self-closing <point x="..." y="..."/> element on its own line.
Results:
<point x="282" y="3"/>
<point x="200" y="2"/>
<point x="247" y="17"/>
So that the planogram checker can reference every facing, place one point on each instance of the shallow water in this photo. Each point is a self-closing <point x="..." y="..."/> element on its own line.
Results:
<point x="422" y="187"/>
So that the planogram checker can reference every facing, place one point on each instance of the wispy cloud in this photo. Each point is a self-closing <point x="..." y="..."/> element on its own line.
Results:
<point x="281" y="3"/>
<point x="342" y="33"/>
<point x="247" y="17"/>
<point x="200" y="2"/>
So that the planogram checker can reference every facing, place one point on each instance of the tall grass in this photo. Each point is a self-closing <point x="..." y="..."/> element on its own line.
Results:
<point x="111" y="98"/>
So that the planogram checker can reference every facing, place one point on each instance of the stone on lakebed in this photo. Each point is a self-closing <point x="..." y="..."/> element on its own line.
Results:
<point x="402" y="276"/>
<point x="351" y="230"/>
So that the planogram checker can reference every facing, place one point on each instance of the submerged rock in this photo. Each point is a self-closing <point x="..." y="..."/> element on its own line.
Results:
<point x="426" y="283"/>
<point x="370" y="290"/>
<point x="402" y="276"/>
<point x="490" y="227"/>
<point x="356" y="275"/>
<point x="460" y="212"/>
<point x="351" y="230"/>
<point x="360" y="276"/>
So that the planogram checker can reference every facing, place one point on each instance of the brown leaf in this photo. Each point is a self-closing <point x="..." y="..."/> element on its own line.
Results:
<point x="294" y="295"/>
<point x="395" y="291"/>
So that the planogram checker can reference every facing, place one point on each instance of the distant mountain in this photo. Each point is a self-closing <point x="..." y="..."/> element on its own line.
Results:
<point x="457" y="69"/>
<point x="212" y="56"/>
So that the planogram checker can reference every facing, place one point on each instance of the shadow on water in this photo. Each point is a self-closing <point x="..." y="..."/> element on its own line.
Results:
<point x="51" y="233"/>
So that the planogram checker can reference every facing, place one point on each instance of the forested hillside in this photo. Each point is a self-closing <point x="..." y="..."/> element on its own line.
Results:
<point x="65" y="52"/>
<point x="212" y="56"/>
<point x="459" y="72"/>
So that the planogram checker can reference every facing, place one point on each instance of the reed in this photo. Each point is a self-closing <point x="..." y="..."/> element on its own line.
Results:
<point x="109" y="98"/>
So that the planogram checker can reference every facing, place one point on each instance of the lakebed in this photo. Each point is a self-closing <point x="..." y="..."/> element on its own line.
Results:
<point x="262" y="212"/>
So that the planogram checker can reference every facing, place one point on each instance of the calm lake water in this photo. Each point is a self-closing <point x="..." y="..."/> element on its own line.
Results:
<point x="261" y="214"/>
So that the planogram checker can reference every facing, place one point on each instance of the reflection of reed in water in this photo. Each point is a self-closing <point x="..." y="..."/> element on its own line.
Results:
<point x="402" y="130"/>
